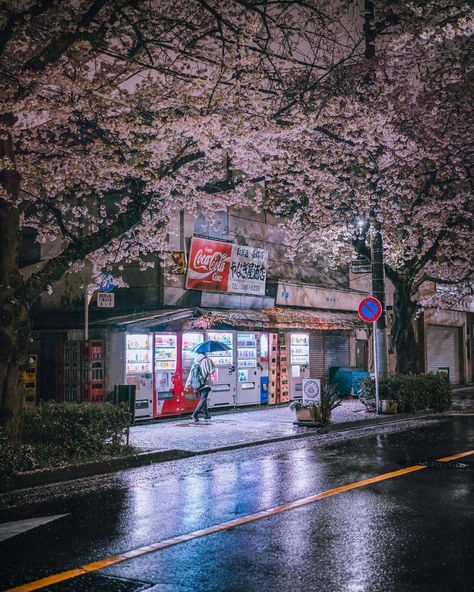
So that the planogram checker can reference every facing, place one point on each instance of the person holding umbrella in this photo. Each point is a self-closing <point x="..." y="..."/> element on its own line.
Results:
<point x="200" y="375"/>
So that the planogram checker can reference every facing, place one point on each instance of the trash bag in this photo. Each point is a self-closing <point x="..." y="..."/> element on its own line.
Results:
<point x="348" y="380"/>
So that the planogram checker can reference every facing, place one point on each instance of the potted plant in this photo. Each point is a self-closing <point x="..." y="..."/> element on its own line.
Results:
<point x="319" y="413"/>
<point x="330" y="399"/>
<point x="308" y="414"/>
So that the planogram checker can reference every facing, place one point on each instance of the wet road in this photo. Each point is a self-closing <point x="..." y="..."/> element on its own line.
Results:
<point x="410" y="532"/>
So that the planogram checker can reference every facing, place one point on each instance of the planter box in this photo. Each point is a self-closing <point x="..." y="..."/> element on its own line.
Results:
<point x="388" y="407"/>
<point x="308" y="415"/>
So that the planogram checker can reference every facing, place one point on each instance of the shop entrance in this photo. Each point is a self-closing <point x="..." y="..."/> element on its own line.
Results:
<point x="362" y="354"/>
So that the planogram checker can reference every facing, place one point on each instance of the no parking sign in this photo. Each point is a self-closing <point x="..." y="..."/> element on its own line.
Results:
<point x="370" y="309"/>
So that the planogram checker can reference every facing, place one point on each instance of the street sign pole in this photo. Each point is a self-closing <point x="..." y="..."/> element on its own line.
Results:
<point x="87" y="301"/>
<point x="370" y="309"/>
<point x="376" y="368"/>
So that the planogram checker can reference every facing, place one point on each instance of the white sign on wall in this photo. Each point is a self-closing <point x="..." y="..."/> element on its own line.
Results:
<point x="105" y="299"/>
<point x="311" y="391"/>
<point x="305" y="295"/>
<point x="248" y="270"/>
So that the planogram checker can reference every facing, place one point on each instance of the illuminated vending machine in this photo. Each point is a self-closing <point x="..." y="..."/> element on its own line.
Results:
<point x="223" y="389"/>
<point x="299" y="363"/>
<point x="190" y="341"/>
<point x="138" y="371"/>
<point x="166" y="357"/>
<point x="248" y="370"/>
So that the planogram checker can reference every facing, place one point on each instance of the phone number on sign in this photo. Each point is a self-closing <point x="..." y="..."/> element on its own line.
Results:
<point x="237" y="287"/>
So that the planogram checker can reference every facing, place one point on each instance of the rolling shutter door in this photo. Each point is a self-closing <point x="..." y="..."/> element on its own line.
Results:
<point x="336" y="349"/>
<point x="443" y="350"/>
<point x="316" y="355"/>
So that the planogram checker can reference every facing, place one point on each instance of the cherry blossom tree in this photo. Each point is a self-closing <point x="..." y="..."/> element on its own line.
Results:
<point x="392" y="142"/>
<point x="117" y="114"/>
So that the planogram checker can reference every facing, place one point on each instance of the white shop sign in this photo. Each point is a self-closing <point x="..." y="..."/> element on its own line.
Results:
<point x="304" y="295"/>
<point x="105" y="299"/>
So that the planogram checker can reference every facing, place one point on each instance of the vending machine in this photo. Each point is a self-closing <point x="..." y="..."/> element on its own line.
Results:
<point x="190" y="341"/>
<point x="248" y="370"/>
<point x="138" y="371"/>
<point x="223" y="389"/>
<point x="166" y="357"/>
<point x="264" y="368"/>
<point x="299" y="363"/>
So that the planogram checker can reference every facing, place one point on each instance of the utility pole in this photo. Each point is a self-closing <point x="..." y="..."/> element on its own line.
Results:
<point x="378" y="291"/>
<point x="376" y="248"/>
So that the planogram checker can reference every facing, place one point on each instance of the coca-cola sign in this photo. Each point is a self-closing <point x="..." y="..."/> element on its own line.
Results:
<point x="208" y="265"/>
<point x="223" y="267"/>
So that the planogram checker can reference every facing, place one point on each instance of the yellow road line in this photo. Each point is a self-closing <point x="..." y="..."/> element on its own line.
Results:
<point x="97" y="565"/>
<point x="455" y="456"/>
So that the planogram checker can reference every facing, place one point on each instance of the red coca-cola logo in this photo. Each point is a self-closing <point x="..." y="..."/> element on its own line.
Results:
<point x="209" y="262"/>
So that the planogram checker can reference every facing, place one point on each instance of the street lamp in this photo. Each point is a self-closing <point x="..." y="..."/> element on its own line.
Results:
<point x="362" y="226"/>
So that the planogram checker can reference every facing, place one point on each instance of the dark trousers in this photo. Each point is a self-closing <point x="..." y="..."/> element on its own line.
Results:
<point x="202" y="405"/>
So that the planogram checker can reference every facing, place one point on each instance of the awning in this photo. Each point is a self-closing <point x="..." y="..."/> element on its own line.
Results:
<point x="196" y="319"/>
<point x="273" y="318"/>
<point x="147" y="319"/>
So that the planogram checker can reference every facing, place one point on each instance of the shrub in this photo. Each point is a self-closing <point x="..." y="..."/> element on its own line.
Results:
<point x="12" y="459"/>
<point x="413" y="392"/>
<point x="74" y="431"/>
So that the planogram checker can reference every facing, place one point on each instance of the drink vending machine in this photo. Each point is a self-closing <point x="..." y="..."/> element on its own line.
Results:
<point x="166" y="358"/>
<point x="224" y="383"/>
<point x="299" y="363"/>
<point x="138" y="371"/>
<point x="248" y="370"/>
<point x="190" y="341"/>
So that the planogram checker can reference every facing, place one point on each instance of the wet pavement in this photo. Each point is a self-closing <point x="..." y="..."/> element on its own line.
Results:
<point x="412" y="532"/>
<point x="233" y="428"/>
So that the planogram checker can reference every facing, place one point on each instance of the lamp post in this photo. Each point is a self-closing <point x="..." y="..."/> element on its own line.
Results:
<point x="362" y="226"/>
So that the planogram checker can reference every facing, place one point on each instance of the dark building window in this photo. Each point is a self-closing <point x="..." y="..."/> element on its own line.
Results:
<point x="219" y="227"/>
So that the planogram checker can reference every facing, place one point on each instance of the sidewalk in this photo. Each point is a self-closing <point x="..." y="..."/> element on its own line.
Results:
<point x="236" y="427"/>
<point x="463" y="398"/>
<point x="180" y="438"/>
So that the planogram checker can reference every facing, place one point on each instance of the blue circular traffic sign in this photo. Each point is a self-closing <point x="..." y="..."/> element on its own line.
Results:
<point x="370" y="309"/>
<point x="107" y="284"/>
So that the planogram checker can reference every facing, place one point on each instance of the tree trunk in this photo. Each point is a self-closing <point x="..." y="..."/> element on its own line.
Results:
<point x="403" y="334"/>
<point x="14" y="318"/>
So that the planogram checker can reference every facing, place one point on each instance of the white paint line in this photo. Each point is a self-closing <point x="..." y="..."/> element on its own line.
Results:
<point x="12" y="529"/>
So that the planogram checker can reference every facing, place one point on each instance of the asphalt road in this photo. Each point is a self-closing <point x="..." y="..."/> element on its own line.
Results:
<point x="413" y="530"/>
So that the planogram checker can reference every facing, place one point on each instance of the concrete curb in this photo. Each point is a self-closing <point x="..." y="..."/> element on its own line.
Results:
<point x="112" y="465"/>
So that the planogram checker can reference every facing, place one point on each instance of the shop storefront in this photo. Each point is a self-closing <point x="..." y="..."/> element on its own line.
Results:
<point x="270" y="353"/>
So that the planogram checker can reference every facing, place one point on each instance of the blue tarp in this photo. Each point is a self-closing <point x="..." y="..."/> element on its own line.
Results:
<point x="347" y="380"/>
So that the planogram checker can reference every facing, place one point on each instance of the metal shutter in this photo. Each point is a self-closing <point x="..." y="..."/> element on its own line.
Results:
<point x="336" y="349"/>
<point x="443" y="350"/>
<point x="316" y="355"/>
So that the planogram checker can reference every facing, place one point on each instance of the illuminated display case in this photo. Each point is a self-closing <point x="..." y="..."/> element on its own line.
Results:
<point x="165" y="352"/>
<point x="223" y="358"/>
<point x="299" y="351"/>
<point x="246" y="350"/>
<point x="190" y="341"/>
<point x="138" y="358"/>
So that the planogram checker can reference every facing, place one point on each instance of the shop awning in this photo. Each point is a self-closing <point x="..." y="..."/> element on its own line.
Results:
<point x="147" y="319"/>
<point x="195" y="319"/>
<point x="273" y="318"/>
